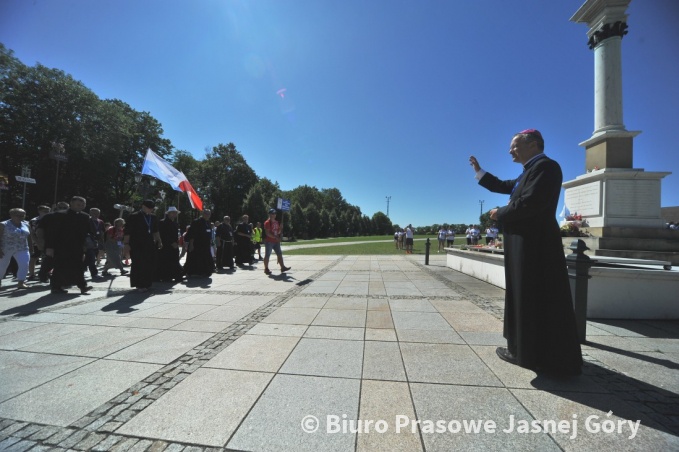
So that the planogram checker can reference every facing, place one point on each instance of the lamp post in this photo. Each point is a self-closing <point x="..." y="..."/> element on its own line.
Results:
<point x="144" y="186"/>
<point x="58" y="153"/>
<point x="388" y="199"/>
<point x="122" y="208"/>
<point x="481" y="202"/>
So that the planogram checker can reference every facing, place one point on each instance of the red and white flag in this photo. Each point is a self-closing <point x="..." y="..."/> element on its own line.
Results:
<point x="156" y="166"/>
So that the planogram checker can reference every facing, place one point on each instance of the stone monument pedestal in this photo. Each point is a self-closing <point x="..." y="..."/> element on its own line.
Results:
<point x="616" y="197"/>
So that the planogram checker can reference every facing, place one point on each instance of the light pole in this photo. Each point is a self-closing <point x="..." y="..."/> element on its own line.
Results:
<point x="57" y="153"/>
<point x="144" y="186"/>
<point x="388" y="199"/>
<point x="481" y="202"/>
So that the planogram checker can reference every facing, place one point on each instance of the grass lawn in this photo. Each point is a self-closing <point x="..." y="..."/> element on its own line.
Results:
<point x="384" y="248"/>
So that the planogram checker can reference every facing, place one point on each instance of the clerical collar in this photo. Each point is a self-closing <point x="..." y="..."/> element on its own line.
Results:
<point x="530" y="162"/>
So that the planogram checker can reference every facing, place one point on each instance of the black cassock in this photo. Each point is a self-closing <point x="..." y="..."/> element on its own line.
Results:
<point x="65" y="233"/>
<point x="225" y="248"/>
<point x="243" y="244"/>
<point x="199" y="261"/>
<point x="539" y="322"/>
<point x="143" y="250"/>
<point x="169" y="267"/>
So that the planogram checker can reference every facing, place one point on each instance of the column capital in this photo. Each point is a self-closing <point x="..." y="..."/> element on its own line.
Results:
<point x="607" y="31"/>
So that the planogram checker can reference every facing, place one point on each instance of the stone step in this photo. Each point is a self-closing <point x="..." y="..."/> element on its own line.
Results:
<point x="639" y="243"/>
<point x="669" y="256"/>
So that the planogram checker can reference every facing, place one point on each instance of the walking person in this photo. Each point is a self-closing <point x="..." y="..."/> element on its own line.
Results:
<point x="142" y="240"/>
<point x="257" y="239"/>
<point x="15" y="242"/>
<point x="44" y="225"/>
<point x="442" y="239"/>
<point x="224" y="238"/>
<point x="113" y="245"/>
<point x="409" y="239"/>
<point x="199" y="256"/>
<point x="243" y="238"/>
<point x="539" y="322"/>
<point x="272" y="241"/>
<point x="65" y="241"/>
<point x="38" y="248"/>
<point x="169" y="268"/>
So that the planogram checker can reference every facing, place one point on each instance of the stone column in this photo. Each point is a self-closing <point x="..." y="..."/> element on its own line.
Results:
<point x="611" y="144"/>
<point x="612" y="193"/>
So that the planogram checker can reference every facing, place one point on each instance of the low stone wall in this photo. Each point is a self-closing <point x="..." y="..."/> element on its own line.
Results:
<point x="613" y="293"/>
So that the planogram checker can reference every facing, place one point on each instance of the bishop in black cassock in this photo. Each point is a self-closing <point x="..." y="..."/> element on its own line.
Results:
<point x="539" y="322"/>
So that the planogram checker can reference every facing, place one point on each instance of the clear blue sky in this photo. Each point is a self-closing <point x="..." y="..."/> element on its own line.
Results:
<point x="381" y="97"/>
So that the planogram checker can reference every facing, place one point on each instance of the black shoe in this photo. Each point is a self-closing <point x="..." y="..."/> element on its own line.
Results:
<point x="506" y="355"/>
<point x="59" y="291"/>
<point x="123" y="271"/>
<point x="284" y="269"/>
<point x="85" y="290"/>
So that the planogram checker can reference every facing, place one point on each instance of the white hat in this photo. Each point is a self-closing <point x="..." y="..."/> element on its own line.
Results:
<point x="172" y="209"/>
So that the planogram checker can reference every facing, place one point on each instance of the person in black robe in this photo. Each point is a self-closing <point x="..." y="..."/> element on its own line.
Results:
<point x="199" y="259"/>
<point x="539" y="322"/>
<point x="169" y="267"/>
<point x="243" y="237"/>
<point x="224" y="242"/>
<point x="65" y="243"/>
<point x="44" y="226"/>
<point x="142" y="239"/>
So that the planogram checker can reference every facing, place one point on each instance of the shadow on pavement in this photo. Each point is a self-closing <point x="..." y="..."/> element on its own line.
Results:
<point x="627" y="398"/>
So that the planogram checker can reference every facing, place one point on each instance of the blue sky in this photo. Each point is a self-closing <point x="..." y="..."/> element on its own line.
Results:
<point x="376" y="98"/>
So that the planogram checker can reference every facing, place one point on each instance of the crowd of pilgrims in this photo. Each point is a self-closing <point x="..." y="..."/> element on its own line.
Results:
<point x="68" y="242"/>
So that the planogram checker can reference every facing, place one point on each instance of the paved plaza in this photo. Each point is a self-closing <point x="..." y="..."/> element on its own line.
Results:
<point x="343" y="353"/>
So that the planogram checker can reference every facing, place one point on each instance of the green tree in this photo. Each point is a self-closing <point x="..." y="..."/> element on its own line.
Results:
<point x="298" y="222"/>
<point x="382" y="224"/>
<point x="255" y="206"/>
<point x="225" y="179"/>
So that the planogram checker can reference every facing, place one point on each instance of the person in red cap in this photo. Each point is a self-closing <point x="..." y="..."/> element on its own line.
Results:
<point x="539" y="322"/>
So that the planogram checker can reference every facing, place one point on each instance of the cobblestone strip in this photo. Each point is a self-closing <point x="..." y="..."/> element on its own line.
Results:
<point x="95" y="431"/>
<point x="657" y="404"/>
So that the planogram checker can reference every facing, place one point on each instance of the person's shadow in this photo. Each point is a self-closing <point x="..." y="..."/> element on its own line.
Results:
<point x="36" y="305"/>
<point x="196" y="281"/>
<point x="126" y="303"/>
<point x="625" y="396"/>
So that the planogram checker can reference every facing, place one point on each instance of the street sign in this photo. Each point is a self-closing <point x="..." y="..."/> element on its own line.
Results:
<point x="25" y="180"/>
<point x="283" y="204"/>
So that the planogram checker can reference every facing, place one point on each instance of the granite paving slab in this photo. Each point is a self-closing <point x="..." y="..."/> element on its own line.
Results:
<point x="419" y="321"/>
<point x="326" y="357"/>
<point x="265" y="429"/>
<point x="380" y="334"/>
<point x="201" y="325"/>
<point x="379" y="319"/>
<point x="96" y="344"/>
<point x="590" y="412"/>
<point x="445" y="363"/>
<point x="225" y="313"/>
<point x="657" y="369"/>
<point x="479" y="322"/>
<point x="252" y="352"/>
<point x="14" y="326"/>
<point x="382" y="361"/>
<point x="448" y="336"/>
<point x="206" y="408"/>
<point x="44" y="333"/>
<point x="411" y="305"/>
<point x="513" y="376"/>
<point x="341" y="317"/>
<point x="385" y="401"/>
<point x="295" y="316"/>
<point x="360" y="303"/>
<point x="485" y="407"/>
<point x="306" y="302"/>
<point x="22" y="371"/>
<point x="278" y="329"/>
<point x="335" y="332"/>
<point x="69" y="397"/>
<point x="161" y="348"/>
